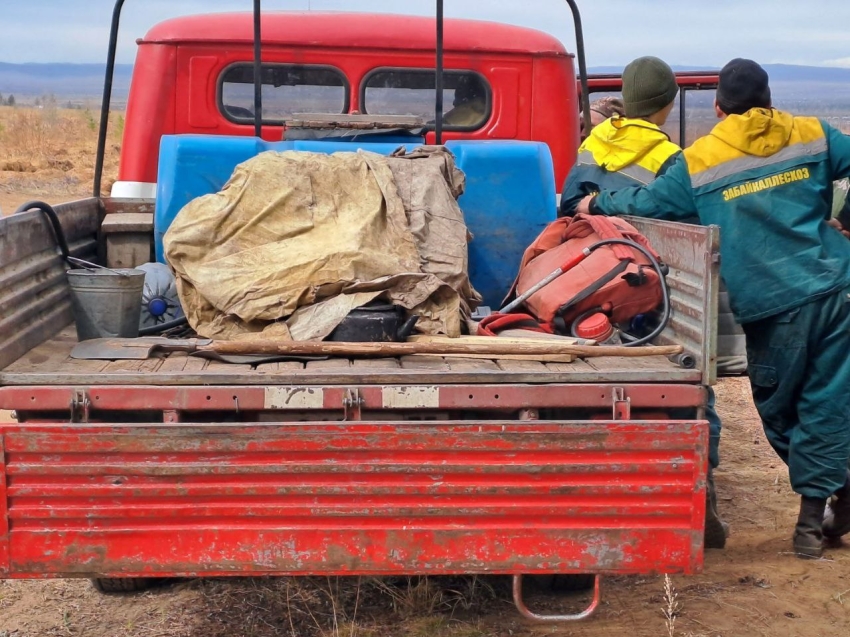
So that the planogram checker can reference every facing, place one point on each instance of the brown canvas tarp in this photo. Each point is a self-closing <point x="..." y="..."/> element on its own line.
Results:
<point x="295" y="240"/>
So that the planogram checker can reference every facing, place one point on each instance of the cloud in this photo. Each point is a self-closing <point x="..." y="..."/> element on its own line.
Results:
<point x="842" y="62"/>
<point x="696" y="32"/>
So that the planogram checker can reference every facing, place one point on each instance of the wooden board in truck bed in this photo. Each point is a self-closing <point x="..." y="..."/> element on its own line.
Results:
<point x="50" y="364"/>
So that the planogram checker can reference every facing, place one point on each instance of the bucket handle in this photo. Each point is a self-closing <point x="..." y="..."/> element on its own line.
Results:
<point x="48" y="210"/>
<point x="88" y="265"/>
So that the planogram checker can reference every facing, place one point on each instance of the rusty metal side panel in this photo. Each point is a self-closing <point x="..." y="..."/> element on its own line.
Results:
<point x="34" y="296"/>
<point x="387" y="397"/>
<point x="693" y="254"/>
<point x="355" y="498"/>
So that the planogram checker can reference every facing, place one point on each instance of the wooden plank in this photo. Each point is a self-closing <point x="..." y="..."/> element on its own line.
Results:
<point x="521" y="366"/>
<point x="420" y="362"/>
<point x="135" y="366"/>
<point x="476" y="340"/>
<point x="152" y="364"/>
<point x="195" y="364"/>
<point x="280" y="366"/>
<point x="176" y="362"/>
<point x="49" y="356"/>
<point x="471" y="364"/>
<point x="127" y="222"/>
<point x="526" y="334"/>
<point x="128" y="250"/>
<point x="578" y="366"/>
<point x="493" y="347"/>
<point x="82" y="366"/>
<point x="576" y="372"/>
<point x="222" y="366"/>
<point x="49" y="364"/>
<point x="648" y="363"/>
<point x="127" y="206"/>
<point x="376" y="363"/>
<point x="328" y="364"/>
<point x="540" y="358"/>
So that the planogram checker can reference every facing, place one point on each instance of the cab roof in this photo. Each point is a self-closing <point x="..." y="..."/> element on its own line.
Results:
<point x="354" y="30"/>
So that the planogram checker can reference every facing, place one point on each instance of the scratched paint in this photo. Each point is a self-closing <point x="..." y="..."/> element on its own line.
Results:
<point x="294" y="398"/>
<point x="353" y="498"/>
<point x="411" y="397"/>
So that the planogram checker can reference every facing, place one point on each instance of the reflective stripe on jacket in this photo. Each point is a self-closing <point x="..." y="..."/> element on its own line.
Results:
<point x="765" y="178"/>
<point x="620" y="152"/>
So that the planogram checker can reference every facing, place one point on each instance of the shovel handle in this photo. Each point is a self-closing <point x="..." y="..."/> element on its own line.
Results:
<point x="567" y="266"/>
<point x="495" y="349"/>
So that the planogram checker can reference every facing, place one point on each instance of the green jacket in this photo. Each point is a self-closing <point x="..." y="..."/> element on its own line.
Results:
<point x="619" y="153"/>
<point x="765" y="178"/>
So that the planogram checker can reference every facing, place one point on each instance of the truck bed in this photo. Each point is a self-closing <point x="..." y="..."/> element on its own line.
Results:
<point x="50" y="364"/>
<point x="36" y="333"/>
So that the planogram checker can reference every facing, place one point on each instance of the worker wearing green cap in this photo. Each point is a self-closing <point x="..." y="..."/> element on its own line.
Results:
<point x="633" y="150"/>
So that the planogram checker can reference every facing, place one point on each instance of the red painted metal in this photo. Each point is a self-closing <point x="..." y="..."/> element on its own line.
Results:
<point x="175" y="81"/>
<point x="4" y="517"/>
<point x="353" y="498"/>
<point x="448" y="397"/>
<point x="366" y="31"/>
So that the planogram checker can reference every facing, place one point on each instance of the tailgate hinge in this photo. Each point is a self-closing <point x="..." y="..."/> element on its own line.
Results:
<point x="352" y="403"/>
<point x="622" y="405"/>
<point x="80" y="406"/>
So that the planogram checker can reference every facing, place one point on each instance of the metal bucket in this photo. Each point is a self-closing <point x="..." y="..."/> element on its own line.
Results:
<point x="106" y="304"/>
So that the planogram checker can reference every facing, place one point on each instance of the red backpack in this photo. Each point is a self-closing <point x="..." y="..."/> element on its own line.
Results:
<point x="617" y="279"/>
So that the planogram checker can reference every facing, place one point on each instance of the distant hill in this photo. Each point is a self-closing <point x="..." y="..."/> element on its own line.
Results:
<point x="84" y="82"/>
<point x="65" y="81"/>
<point x="777" y="72"/>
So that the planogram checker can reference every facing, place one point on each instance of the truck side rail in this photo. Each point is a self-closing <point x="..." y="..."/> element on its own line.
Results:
<point x="35" y="302"/>
<point x="692" y="253"/>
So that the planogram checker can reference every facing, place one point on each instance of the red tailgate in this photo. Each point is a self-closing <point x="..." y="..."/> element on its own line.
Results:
<point x="352" y="498"/>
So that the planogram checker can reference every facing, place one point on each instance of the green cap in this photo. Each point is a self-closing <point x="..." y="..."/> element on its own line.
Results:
<point x="648" y="86"/>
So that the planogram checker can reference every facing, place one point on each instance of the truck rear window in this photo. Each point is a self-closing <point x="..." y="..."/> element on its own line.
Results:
<point x="466" y="96"/>
<point x="287" y="89"/>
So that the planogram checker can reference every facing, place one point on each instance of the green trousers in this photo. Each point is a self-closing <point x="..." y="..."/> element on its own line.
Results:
<point x="714" y="428"/>
<point x="799" y="367"/>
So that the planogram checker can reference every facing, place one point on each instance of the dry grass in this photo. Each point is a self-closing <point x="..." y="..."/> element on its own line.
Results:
<point x="671" y="606"/>
<point x="344" y="606"/>
<point x="49" y="152"/>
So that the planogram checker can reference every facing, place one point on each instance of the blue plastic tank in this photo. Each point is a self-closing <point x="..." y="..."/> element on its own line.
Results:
<point x="509" y="197"/>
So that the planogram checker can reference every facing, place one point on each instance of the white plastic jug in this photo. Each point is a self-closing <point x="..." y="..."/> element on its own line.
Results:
<point x="160" y="303"/>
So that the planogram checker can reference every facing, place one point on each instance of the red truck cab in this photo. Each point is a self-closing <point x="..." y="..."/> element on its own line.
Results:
<point x="194" y="75"/>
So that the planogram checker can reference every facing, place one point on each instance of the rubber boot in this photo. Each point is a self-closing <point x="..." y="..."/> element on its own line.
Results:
<point x="836" y="521"/>
<point x="716" y="530"/>
<point x="808" y="535"/>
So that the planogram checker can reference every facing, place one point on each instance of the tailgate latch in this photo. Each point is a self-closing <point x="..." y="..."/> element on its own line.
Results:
<point x="352" y="403"/>
<point x="80" y="406"/>
<point x="622" y="405"/>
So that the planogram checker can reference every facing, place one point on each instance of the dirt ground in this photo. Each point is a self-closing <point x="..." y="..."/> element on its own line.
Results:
<point x="754" y="588"/>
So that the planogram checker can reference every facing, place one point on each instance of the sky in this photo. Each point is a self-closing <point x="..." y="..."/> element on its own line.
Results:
<point x="684" y="32"/>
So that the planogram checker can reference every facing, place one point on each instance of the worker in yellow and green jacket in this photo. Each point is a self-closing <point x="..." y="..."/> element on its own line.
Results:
<point x="630" y="150"/>
<point x="633" y="150"/>
<point x="765" y="177"/>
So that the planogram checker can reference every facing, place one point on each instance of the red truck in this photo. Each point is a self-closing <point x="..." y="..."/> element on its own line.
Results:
<point x="181" y="467"/>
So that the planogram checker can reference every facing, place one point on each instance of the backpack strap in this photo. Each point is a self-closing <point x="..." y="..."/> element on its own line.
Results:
<point x="596" y="285"/>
